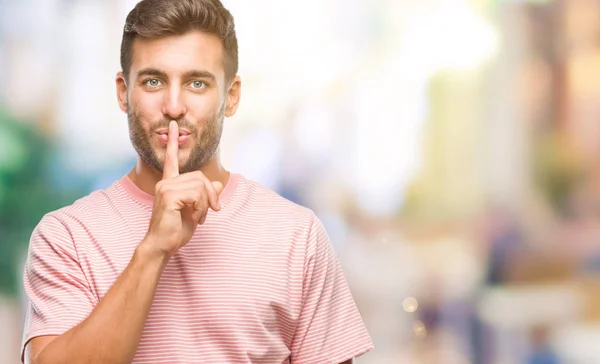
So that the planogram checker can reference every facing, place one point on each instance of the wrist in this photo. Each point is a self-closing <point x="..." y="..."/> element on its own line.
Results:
<point x="147" y="252"/>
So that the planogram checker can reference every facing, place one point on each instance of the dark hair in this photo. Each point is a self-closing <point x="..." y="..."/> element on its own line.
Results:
<point x="158" y="18"/>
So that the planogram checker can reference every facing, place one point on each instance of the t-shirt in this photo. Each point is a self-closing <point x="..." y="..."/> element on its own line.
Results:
<point x="259" y="282"/>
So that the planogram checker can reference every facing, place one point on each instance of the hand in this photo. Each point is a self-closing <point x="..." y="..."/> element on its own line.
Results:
<point x="181" y="202"/>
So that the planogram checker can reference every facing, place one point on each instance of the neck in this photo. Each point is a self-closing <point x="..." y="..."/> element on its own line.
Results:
<point x="145" y="177"/>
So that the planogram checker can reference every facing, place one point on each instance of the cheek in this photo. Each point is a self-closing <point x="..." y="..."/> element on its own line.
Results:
<point x="147" y="107"/>
<point x="201" y="108"/>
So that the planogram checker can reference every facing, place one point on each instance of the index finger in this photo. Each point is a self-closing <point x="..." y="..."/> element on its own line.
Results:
<point x="171" y="165"/>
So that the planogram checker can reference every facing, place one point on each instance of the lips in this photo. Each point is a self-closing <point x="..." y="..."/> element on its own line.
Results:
<point x="163" y="136"/>
<point x="165" y="131"/>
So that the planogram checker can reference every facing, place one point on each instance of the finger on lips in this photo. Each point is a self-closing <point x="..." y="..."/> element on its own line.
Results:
<point x="171" y="165"/>
<point x="192" y="180"/>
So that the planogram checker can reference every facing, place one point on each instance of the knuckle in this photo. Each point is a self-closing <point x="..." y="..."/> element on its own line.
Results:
<point x="159" y="188"/>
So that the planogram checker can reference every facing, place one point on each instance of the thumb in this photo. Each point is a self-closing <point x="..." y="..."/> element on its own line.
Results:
<point x="218" y="187"/>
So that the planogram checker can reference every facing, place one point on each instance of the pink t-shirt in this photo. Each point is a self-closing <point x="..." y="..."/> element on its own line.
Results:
<point x="258" y="283"/>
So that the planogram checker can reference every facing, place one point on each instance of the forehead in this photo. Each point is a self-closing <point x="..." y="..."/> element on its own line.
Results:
<point x="177" y="54"/>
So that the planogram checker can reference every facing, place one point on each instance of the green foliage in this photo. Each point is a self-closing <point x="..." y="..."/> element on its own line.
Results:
<point x="26" y="194"/>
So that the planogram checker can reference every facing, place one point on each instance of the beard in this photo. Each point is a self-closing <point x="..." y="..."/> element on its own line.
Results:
<point x="206" y="142"/>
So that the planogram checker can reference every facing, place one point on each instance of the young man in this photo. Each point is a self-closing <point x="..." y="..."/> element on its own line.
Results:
<point x="181" y="261"/>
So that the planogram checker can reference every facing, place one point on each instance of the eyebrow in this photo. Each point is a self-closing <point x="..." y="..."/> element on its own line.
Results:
<point x="189" y="74"/>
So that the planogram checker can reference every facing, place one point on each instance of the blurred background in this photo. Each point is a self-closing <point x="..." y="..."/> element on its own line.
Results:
<point x="451" y="148"/>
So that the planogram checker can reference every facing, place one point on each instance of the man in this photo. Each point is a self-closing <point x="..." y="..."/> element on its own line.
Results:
<point x="182" y="261"/>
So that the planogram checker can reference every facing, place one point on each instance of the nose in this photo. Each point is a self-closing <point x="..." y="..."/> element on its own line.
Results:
<point x="173" y="105"/>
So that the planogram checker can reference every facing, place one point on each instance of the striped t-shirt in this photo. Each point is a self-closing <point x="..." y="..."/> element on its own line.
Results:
<point x="259" y="281"/>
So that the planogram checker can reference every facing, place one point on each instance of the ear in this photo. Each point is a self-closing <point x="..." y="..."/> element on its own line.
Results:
<point x="121" y="91"/>
<point x="233" y="97"/>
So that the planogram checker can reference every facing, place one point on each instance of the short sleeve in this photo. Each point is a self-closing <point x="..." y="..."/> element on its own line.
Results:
<point x="330" y="329"/>
<point x="59" y="296"/>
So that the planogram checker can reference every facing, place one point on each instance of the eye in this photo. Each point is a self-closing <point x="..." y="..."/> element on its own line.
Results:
<point x="198" y="84"/>
<point x="153" y="82"/>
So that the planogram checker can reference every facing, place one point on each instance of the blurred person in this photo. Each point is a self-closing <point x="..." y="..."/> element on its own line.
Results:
<point x="180" y="260"/>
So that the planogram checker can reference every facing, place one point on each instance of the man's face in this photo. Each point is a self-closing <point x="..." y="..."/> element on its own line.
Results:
<point x="177" y="78"/>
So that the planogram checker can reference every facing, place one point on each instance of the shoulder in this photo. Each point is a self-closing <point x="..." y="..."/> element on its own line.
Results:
<point x="264" y="201"/>
<point x="263" y="208"/>
<point x="94" y="207"/>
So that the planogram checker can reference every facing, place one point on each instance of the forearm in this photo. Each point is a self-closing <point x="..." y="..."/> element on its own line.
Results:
<point x="110" y="334"/>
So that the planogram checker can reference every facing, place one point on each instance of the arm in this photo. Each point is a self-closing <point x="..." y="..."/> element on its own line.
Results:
<point x="112" y="331"/>
<point x="330" y="328"/>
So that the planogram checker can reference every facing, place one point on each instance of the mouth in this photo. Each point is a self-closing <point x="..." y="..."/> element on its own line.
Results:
<point x="163" y="136"/>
